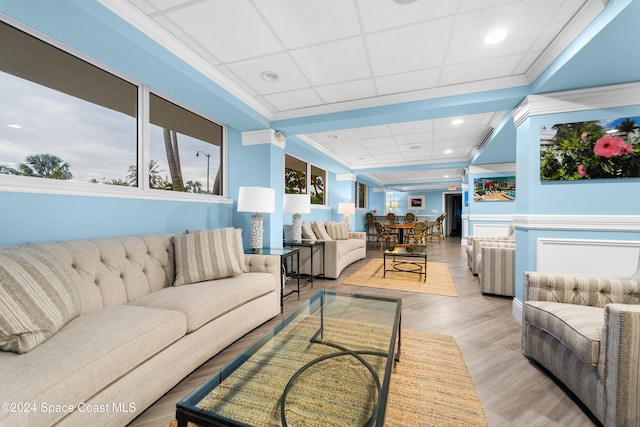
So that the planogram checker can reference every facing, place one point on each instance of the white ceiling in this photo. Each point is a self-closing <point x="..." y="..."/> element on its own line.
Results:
<point x="338" y="55"/>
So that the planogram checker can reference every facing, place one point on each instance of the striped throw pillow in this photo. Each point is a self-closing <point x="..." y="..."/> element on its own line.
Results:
<point x="206" y="255"/>
<point x="321" y="231"/>
<point x="307" y="231"/>
<point x="37" y="298"/>
<point x="337" y="230"/>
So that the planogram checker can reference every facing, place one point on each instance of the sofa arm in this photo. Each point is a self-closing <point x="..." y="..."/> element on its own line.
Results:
<point x="478" y="244"/>
<point x="263" y="264"/>
<point x="581" y="289"/>
<point x="620" y="369"/>
<point x="498" y="270"/>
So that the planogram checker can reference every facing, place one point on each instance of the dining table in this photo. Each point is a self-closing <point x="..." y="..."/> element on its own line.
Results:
<point x="401" y="228"/>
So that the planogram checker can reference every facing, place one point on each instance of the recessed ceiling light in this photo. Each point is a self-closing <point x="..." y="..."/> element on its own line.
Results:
<point x="495" y="36"/>
<point x="446" y="176"/>
<point x="14" y="126"/>
<point x="457" y="122"/>
<point x="269" y="76"/>
<point x="405" y="1"/>
<point x="448" y="151"/>
<point x="332" y="136"/>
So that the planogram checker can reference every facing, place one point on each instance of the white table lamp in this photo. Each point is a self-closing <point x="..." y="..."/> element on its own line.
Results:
<point x="347" y="209"/>
<point x="297" y="204"/>
<point x="258" y="200"/>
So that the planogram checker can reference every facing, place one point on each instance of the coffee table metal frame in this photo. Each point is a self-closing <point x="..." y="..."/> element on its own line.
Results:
<point x="186" y="410"/>
<point x="404" y="265"/>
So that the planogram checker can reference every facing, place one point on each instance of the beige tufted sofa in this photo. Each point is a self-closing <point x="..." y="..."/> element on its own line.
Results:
<point x="136" y="335"/>
<point x="585" y="330"/>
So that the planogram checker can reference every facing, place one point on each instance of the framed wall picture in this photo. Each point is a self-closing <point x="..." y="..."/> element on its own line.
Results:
<point x="494" y="189"/>
<point x="415" y="203"/>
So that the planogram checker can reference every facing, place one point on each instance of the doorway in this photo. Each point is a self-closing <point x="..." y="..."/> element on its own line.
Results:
<point x="453" y="208"/>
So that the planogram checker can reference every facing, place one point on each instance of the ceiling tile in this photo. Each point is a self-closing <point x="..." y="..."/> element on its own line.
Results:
<point x="412" y="127"/>
<point x="290" y="77"/>
<point x="333" y="62"/>
<point x="371" y="132"/>
<point x="346" y="91"/>
<point x="423" y="46"/>
<point x="382" y="14"/>
<point x="522" y="21"/>
<point x="303" y="23"/>
<point x="238" y="33"/>
<point x="479" y="70"/>
<point x="295" y="99"/>
<point x="410" y="81"/>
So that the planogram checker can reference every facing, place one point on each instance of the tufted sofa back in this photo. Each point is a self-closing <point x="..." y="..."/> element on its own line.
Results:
<point x="114" y="271"/>
<point x="595" y="291"/>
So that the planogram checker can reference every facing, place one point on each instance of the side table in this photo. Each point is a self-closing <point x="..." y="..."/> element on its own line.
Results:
<point x="312" y="245"/>
<point x="284" y="253"/>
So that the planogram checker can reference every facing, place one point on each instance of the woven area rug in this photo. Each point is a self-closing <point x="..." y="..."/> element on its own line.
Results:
<point x="431" y="386"/>
<point x="439" y="281"/>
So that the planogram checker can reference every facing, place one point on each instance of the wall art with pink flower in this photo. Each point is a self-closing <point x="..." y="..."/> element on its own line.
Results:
<point x="589" y="150"/>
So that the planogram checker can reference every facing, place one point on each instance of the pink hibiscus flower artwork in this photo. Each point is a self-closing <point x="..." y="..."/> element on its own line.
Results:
<point x="581" y="170"/>
<point x="609" y="146"/>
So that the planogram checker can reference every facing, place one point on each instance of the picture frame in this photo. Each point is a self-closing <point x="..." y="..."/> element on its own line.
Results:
<point x="415" y="203"/>
<point x="494" y="189"/>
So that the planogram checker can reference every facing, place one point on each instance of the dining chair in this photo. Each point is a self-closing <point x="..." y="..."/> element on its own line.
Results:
<point x="409" y="217"/>
<point x="419" y="234"/>
<point x="436" y="228"/>
<point x="383" y="235"/>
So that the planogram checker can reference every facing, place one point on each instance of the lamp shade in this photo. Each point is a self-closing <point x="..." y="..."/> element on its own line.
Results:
<point x="346" y="208"/>
<point x="257" y="199"/>
<point x="296" y="203"/>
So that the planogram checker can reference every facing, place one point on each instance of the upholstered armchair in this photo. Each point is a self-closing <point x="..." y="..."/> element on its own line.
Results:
<point x="474" y="242"/>
<point x="585" y="330"/>
<point x="497" y="268"/>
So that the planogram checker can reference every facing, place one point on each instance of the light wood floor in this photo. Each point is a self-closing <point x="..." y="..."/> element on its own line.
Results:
<point x="513" y="391"/>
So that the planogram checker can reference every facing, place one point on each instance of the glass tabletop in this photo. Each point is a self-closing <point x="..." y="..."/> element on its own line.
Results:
<point x="408" y="251"/>
<point x="328" y="363"/>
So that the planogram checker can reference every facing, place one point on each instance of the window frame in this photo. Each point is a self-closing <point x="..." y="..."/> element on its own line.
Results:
<point x="27" y="184"/>
<point x="308" y="168"/>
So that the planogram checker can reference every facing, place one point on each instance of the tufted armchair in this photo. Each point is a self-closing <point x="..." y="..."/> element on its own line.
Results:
<point x="585" y="330"/>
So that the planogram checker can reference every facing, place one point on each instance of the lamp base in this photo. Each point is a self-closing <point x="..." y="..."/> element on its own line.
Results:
<point x="346" y="221"/>
<point x="256" y="232"/>
<point x="297" y="228"/>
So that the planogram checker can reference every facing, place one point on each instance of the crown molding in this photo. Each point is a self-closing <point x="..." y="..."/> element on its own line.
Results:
<point x="577" y="100"/>
<point x="346" y="177"/>
<point x="494" y="167"/>
<point x="578" y="222"/>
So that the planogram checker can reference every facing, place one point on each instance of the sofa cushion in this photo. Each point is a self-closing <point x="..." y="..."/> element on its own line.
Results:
<point x="206" y="255"/>
<point x="321" y="231"/>
<point x="307" y="231"/>
<point x="37" y="298"/>
<point x="205" y="301"/>
<point x="337" y="230"/>
<point x="346" y="246"/>
<point x="579" y="327"/>
<point x="88" y="353"/>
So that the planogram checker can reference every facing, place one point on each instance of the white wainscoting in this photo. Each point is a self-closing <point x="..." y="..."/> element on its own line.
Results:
<point x="602" y="257"/>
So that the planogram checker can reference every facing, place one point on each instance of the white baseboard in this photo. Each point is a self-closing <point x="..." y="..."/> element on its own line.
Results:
<point x="516" y="310"/>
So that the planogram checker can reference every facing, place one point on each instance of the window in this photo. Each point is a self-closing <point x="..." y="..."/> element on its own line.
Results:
<point x="361" y="195"/>
<point x="296" y="172"/>
<point x="61" y="117"/>
<point x="295" y="175"/>
<point x="185" y="149"/>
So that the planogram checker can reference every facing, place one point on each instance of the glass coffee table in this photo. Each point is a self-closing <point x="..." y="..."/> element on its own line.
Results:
<point x="328" y="363"/>
<point x="406" y="259"/>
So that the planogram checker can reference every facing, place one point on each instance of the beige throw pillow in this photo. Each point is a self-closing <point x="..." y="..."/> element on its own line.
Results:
<point x="206" y="255"/>
<point x="307" y="231"/>
<point x="37" y="298"/>
<point x="337" y="230"/>
<point x="320" y="231"/>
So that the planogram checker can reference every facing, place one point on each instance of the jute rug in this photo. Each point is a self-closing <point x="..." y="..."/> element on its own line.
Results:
<point x="430" y="386"/>
<point x="439" y="281"/>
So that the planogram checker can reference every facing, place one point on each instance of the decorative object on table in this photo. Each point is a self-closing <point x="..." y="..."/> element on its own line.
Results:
<point x="258" y="200"/>
<point x="297" y="204"/>
<point x="587" y="150"/>
<point x="415" y="203"/>
<point x="347" y="209"/>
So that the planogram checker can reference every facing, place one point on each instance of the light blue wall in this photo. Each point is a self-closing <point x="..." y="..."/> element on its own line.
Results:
<point x="589" y="197"/>
<point x="45" y="217"/>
